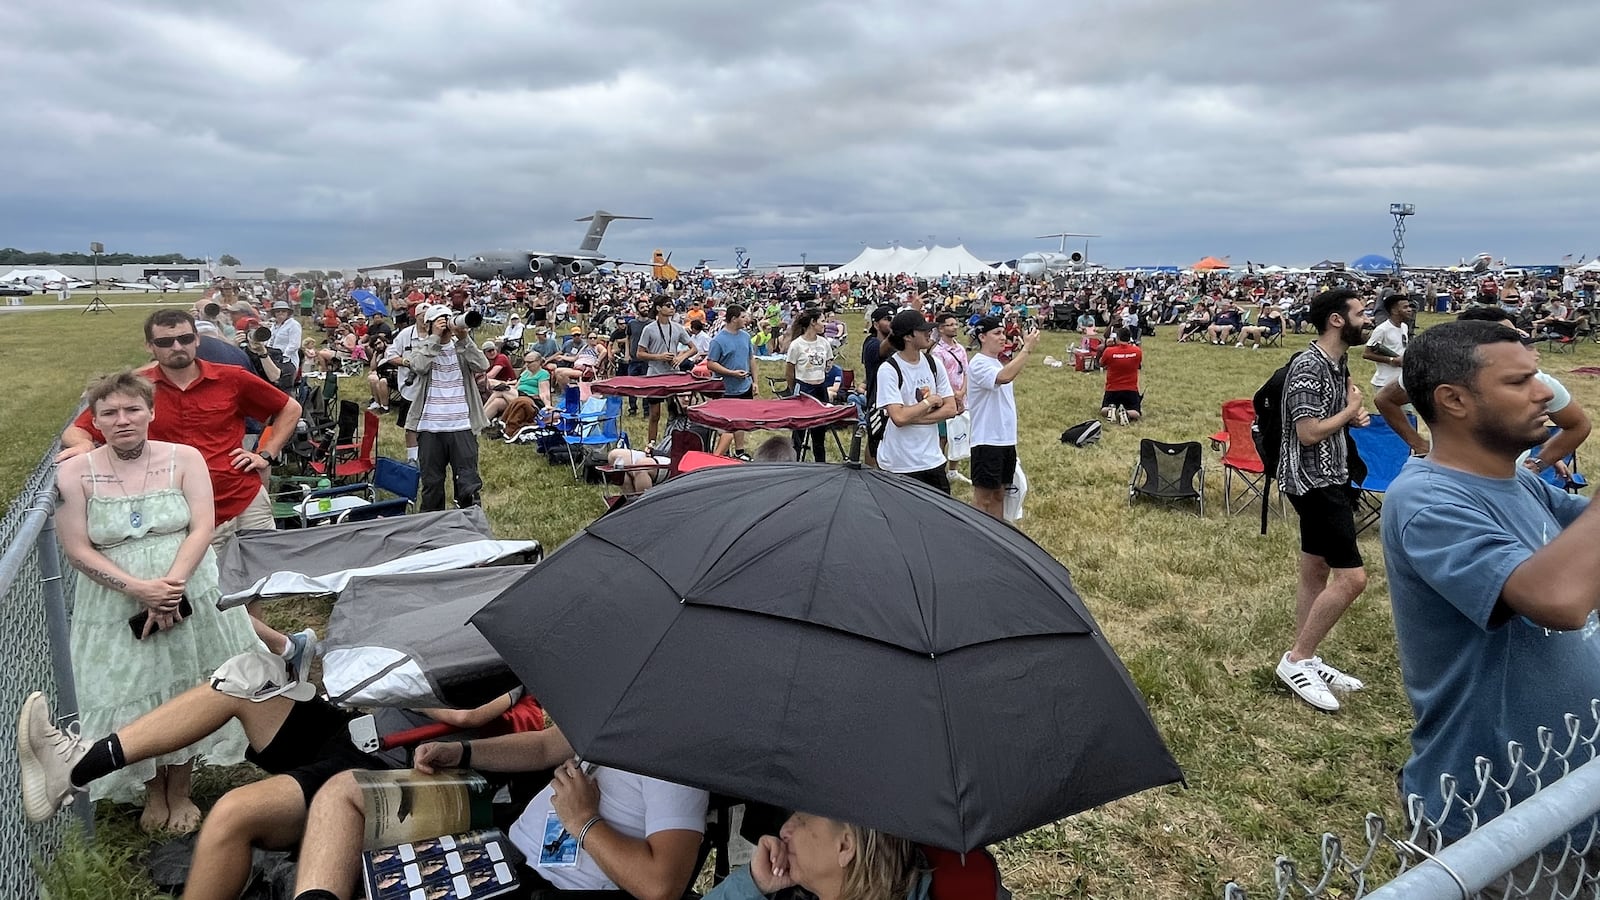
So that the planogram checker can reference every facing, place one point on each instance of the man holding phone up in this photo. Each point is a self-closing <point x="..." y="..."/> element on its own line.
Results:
<point x="994" y="413"/>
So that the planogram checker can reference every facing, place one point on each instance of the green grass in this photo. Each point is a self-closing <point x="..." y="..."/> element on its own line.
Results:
<point x="1199" y="610"/>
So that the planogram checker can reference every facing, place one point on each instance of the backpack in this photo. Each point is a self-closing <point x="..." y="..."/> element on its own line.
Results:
<point x="1082" y="434"/>
<point x="1267" y="429"/>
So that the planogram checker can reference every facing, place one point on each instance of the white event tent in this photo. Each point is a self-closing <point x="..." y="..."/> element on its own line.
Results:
<point x="922" y="262"/>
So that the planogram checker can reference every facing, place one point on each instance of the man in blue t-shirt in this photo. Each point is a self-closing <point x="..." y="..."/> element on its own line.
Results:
<point x="1492" y="572"/>
<point x="732" y="359"/>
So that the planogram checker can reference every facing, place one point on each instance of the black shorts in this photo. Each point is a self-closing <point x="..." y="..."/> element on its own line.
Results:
<point x="993" y="468"/>
<point x="747" y="395"/>
<point x="937" y="478"/>
<point x="1132" y="401"/>
<point x="313" y="745"/>
<point x="401" y="407"/>
<point x="1328" y="525"/>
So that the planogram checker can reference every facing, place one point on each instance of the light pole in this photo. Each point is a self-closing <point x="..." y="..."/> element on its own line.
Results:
<point x="1400" y="211"/>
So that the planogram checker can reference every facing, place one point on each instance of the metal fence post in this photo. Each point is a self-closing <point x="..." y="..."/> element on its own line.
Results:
<point x="57" y="624"/>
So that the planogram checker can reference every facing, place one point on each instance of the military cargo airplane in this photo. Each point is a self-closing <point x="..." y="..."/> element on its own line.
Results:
<point x="522" y="263"/>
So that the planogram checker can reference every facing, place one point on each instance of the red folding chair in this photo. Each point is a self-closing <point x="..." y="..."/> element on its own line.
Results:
<point x="354" y="460"/>
<point x="1239" y="457"/>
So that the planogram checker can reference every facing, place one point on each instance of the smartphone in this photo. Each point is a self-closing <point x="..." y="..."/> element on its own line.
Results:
<point x="137" y="620"/>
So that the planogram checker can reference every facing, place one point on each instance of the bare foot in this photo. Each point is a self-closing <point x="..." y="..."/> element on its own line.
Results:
<point x="185" y="816"/>
<point x="156" y="812"/>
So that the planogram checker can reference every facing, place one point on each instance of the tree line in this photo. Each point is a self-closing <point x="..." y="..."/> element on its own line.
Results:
<point x="11" y="256"/>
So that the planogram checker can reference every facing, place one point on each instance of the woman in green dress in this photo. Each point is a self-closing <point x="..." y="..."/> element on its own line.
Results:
<point x="136" y="518"/>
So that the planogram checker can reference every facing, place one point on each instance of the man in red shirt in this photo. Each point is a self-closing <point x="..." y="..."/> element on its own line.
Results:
<point x="1122" y="359"/>
<point x="204" y="405"/>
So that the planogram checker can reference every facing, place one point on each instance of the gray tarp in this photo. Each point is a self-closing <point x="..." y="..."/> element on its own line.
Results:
<point x="403" y="640"/>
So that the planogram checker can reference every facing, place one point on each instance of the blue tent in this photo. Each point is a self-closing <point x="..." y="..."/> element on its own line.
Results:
<point x="1372" y="262"/>
<point x="370" y="304"/>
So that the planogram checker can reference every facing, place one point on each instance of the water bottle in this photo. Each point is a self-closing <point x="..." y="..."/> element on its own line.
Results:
<point x="324" y="504"/>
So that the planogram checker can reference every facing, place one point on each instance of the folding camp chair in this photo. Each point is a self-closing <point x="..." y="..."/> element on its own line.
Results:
<point x="350" y="460"/>
<point x="1384" y="453"/>
<point x="1560" y="337"/>
<point x="1574" y="482"/>
<point x="1239" y="457"/>
<point x="590" y="433"/>
<point x="1169" y="472"/>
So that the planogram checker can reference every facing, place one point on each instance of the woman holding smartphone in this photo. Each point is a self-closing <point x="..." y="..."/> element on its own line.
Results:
<point x="135" y="519"/>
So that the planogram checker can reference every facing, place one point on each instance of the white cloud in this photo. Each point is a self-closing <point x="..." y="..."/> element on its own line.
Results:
<point x="357" y="132"/>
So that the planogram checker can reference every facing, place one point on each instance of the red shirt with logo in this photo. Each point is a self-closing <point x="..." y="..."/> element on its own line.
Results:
<point x="209" y="416"/>
<point x="1122" y="362"/>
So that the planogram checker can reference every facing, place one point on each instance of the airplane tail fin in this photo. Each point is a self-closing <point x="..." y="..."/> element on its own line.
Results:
<point x="597" y="229"/>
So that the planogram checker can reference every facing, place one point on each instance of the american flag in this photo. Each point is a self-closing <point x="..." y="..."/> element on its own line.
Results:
<point x="1567" y="257"/>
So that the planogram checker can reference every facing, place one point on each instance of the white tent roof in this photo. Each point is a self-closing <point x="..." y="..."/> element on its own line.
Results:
<point x="1592" y="265"/>
<point x="16" y="276"/>
<point x="921" y="262"/>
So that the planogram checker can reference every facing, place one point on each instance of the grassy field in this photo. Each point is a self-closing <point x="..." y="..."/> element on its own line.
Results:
<point x="1199" y="610"/>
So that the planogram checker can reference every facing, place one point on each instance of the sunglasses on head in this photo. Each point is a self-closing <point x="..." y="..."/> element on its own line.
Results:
<point x="166" y="343"/>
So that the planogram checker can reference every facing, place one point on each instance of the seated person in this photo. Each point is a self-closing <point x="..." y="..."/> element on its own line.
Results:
<point x="1225" y="324"/>
<point x="631" y="833"/>
<point x="533" y="388"/>
<point x="823" y="856"/>
<point x="1196" y="322"/>
<point x="1270" y="323"/>
<point x="640" y="470"/>
<point x="582" y="364"/>
<point x="300" y="739"/>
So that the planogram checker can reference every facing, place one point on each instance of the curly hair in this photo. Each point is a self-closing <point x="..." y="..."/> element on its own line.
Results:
<point x="124" y="383"/>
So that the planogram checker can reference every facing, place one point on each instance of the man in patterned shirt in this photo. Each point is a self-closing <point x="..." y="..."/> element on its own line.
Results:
<point x="1319" y="403"/>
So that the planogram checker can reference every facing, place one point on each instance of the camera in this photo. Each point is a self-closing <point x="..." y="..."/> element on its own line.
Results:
<point x="469" y="320"/>
<point x="260" y="334"/>
<point x="212" y="310"/>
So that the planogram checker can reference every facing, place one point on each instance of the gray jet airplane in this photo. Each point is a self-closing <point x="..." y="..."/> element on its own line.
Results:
<point x="523" y="263"/>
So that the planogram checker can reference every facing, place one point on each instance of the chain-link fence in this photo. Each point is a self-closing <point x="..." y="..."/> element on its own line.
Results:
<point x="34" y="656"/>
<point x="1545" y="845"/>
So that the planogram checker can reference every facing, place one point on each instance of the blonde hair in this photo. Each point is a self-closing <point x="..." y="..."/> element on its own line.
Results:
<point x="883" y="868"/>
<point x="125" y="383"/>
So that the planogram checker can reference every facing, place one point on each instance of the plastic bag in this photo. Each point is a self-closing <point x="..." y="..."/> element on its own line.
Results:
<point x="1015" y="494"/>
<point x="958" y="434"/>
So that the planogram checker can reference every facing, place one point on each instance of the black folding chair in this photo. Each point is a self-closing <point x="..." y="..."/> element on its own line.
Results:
<point x="1169" y="473"/>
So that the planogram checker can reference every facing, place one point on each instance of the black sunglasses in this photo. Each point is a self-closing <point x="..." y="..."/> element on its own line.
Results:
<point x="166" y="343"/>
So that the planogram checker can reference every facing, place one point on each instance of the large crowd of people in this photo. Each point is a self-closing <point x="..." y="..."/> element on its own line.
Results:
<point x="168" y="462"/>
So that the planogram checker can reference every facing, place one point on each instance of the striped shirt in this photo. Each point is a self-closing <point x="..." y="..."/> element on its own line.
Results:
<point x="445" y="408"/>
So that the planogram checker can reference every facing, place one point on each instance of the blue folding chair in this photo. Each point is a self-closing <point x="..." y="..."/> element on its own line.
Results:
<point x="1574" y="482"/>
<point x="1385" y="454"/>
<point x="584" y="430"/>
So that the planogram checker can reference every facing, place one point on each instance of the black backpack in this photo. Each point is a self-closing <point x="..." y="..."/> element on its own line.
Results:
<point x="877" y="419"/>
<point x="1082" y="434"/>
<point x="1267" y="430"/>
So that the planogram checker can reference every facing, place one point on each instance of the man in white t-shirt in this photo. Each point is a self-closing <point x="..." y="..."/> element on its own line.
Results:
<point x="594" y="829"/>
<point x="994" y="414"/>
<point x="1387" y="346"/>
<point x="914" y="392"/>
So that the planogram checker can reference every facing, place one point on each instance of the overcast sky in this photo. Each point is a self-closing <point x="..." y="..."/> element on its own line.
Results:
<point x="360" y="133"/>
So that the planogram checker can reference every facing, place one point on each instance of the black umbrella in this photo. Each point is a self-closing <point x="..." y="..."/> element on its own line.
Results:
<point x="837" y="640"/>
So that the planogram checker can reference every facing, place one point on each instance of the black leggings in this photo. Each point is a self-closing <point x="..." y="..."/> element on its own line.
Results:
<point x="819" y="436"/>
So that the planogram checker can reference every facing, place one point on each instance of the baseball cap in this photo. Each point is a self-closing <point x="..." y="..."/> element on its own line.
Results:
<point x="258" y="676"/>
<point x="990" y="323"/>
<point x="908" y="320"/>
<point x="575" y="330"/>
<point x="488" y="345"/>
<point x="437" y="311"/>
<point x="883" y="312"/>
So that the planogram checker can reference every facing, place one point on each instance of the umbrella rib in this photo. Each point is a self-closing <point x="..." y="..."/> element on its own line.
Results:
<point x="950" y="753"/>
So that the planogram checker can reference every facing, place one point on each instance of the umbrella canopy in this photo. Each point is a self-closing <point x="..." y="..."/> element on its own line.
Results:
<point x="1210" y="263"/>
<point x="1372" y="262"/>
<point x="369" y="302"/>
<point x="837" y="640"/>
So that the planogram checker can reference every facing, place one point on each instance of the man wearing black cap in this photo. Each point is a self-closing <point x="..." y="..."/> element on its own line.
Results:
<point x="914" y="392"/>
<point x="994" y="413"/>
<point x="874" y="351"/>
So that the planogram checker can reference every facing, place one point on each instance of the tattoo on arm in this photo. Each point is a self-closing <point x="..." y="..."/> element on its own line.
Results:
<point x="105" y="578"/>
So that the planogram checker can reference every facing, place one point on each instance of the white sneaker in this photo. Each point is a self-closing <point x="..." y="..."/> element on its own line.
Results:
<point x="1111" y="414"/>
<point x="1305" y="679"/>
<point x="955" y="475"/>
<point x="1336" y="679"/>
<point x="46" y="755"/>
<point x="1122" y="415"/>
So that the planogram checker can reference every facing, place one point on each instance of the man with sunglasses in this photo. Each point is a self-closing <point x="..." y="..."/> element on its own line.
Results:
<point x="205" y="405"/>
